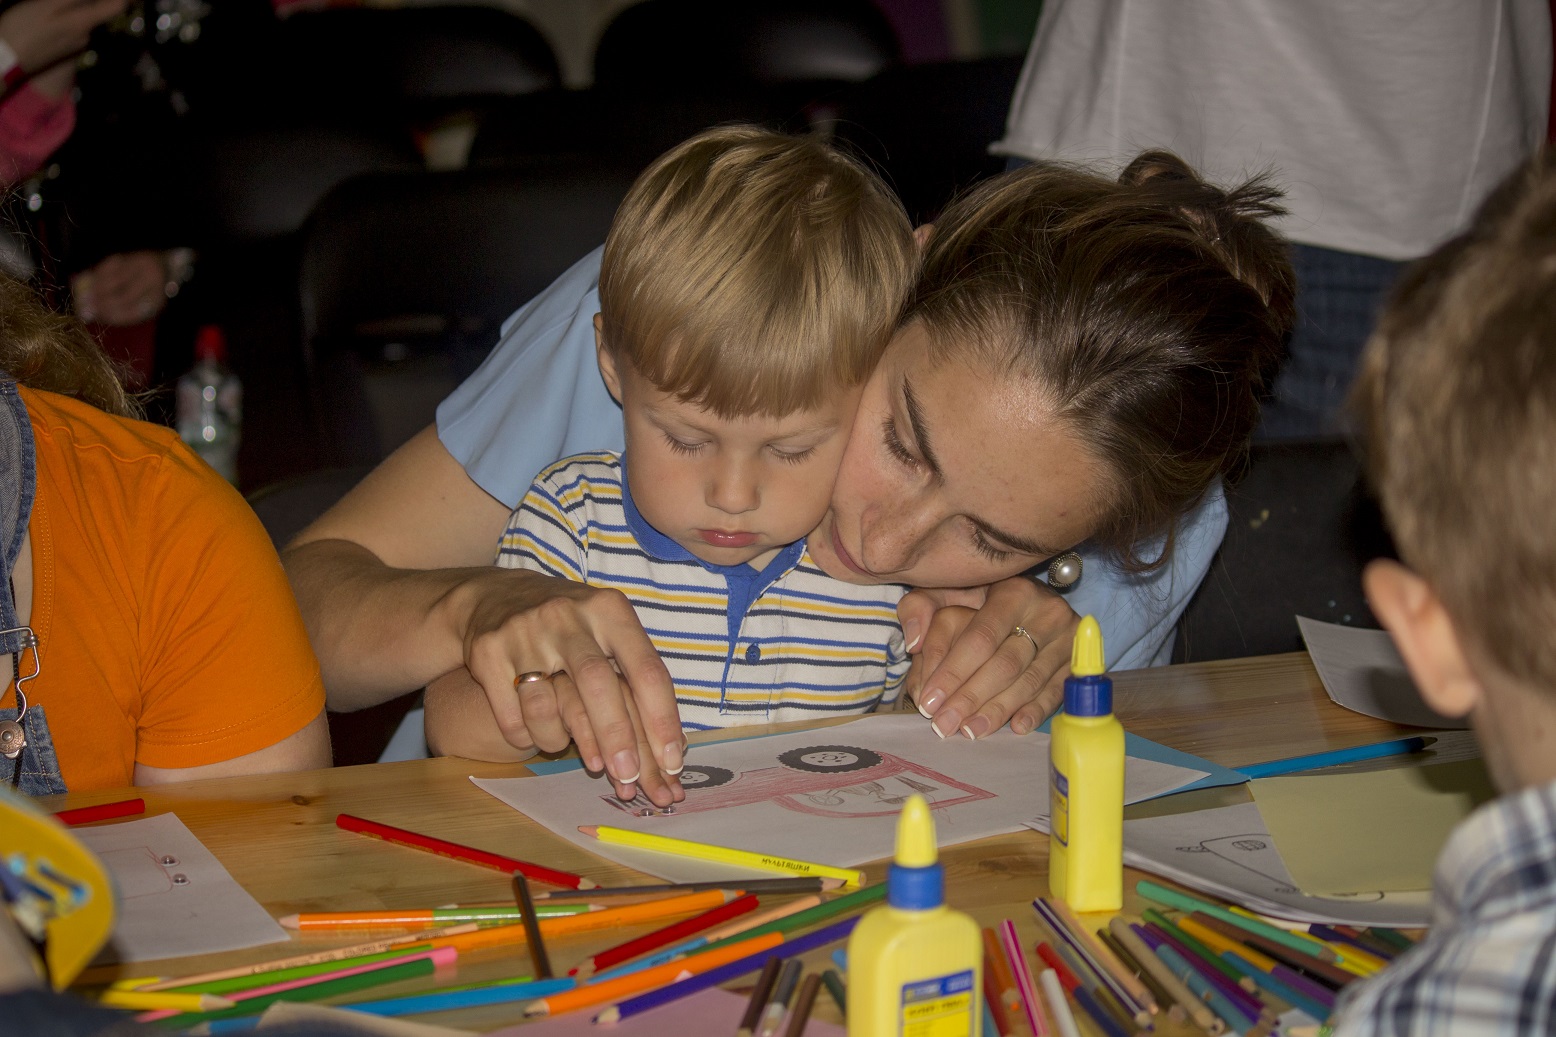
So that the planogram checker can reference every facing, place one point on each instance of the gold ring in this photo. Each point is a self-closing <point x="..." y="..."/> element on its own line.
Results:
<point x="529" y="678"/>
<point x="1022" y="632"/>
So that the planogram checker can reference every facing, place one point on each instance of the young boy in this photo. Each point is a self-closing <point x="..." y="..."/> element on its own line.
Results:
<point x="1459" y="394"/>
<point x="749" y="284"/>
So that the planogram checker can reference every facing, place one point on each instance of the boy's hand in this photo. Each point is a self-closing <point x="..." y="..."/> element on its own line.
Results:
<point x="973" y="672"/>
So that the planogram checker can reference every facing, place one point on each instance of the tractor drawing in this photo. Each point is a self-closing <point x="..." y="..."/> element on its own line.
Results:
<point x="822" y="780"/>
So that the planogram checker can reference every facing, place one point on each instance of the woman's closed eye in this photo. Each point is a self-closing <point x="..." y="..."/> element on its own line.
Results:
<point x="894" y="444"/>
<point x="986" y="548"/>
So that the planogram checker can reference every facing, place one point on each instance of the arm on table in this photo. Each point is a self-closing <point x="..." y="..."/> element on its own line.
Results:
<point x="305" y="750"/>
<point x="397" y="586"/>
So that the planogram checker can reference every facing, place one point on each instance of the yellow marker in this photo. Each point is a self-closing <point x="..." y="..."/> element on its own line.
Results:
<point x="1086" y="784"/>
<point x="915" y="967"/>
<point x="162" y="1000"/>
<point x="722" y="854"/>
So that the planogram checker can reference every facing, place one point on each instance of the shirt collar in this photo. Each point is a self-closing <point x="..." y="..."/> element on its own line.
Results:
<point x="1501" y="860"/>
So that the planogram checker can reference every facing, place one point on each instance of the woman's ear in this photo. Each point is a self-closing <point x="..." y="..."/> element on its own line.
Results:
<point x="921" y="235"/>
<point x="606" y="361"/>
<point x="1424" y="633"/>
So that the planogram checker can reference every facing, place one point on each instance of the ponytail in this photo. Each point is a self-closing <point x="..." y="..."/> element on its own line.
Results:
<point x="45" y="350"/>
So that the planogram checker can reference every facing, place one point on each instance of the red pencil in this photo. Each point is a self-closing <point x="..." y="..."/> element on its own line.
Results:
<point x="664" y="937"/>
<point x="468" y="854"/>
<point x="102" y="812"/>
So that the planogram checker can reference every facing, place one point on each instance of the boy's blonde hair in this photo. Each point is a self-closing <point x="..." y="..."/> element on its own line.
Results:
<point x="751" y="272"/>
<point x="1458" y="395"/>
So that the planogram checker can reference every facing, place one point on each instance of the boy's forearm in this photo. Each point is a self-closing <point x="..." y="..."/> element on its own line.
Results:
<point x="460" y="722"/>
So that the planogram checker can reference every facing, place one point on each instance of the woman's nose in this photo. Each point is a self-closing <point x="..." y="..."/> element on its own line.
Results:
<point x="893" y="536"/>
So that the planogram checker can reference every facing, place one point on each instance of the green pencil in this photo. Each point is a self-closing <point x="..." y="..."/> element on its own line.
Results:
<point x="316" y="992"/>
<point x="1210" y="957"/>
<point x="1184" y="902"/>
<point x="854" y="901"/>
<point x="237" y="984"/>
<point x="834" y="985"/>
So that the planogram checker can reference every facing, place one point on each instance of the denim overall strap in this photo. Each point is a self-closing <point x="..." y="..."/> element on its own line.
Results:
<point x="37" y="769"/>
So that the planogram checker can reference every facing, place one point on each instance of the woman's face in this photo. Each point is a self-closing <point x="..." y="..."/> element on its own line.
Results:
<point x="954" y="476"/>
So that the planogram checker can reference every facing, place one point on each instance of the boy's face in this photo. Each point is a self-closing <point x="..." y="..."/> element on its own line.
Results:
<point x="729" y="490"/>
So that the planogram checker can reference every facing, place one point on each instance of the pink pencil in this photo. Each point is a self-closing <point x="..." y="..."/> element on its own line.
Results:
<point x="440" y="956"/>
<point x="1024" y="985"/>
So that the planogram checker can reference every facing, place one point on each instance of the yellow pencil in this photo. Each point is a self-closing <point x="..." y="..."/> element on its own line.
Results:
<point x="721" y="854"/>
<point x="159" y="1000"/>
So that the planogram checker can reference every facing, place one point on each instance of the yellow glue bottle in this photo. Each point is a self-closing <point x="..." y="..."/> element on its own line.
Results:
<point x="1086" y="784"/>
<point x="915" y="967"/>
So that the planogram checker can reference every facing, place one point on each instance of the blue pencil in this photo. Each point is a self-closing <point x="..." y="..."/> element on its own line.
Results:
<point x="443" y="1001"/>
<point x="1236" y="1021"/>
<point x="1313" y="761"/>
<point x="724" y="973"/>
<point x="1270" y="985"/>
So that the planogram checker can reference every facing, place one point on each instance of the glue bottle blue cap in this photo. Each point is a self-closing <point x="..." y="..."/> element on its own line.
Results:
<point x="1088" y="691"/>
<point x="916" y="880"/>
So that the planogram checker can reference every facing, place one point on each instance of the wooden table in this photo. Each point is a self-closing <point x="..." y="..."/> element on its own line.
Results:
<point x="276" y="833"/>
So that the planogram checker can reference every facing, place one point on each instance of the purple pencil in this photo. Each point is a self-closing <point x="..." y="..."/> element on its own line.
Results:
<point x="1302" y="984"/>
<point x="1245" y="1002"/>
<point x="724" y="973"/>
<point x="1122" y="996"/>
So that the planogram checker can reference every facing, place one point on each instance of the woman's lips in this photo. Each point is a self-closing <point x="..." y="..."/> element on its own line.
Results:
<point x="719" y="538"/>
<point x="846" y="558"/>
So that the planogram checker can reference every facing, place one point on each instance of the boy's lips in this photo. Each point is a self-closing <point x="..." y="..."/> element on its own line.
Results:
<point x="720" y="538"/>
<point x="846" y="558"/>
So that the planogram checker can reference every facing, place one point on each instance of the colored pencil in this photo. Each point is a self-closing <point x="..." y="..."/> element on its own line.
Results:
<point x="1270" y="985"/>
<point x="834" y="984"/>
<point x="101" y="812"/>
<point x="1333" y="758"/>
<point x="759" y="995"/>
<point x="1071" y="984"/>
<point x="713" y="936"/>
<point x="1048" y="913"/>
<point x="1101" y="956"/>
<point x="335" y="954"/>
<point x="1398" y="940"/>
<point x="162" y="1000"/>
<point x="1058" y="1005"/>
<point x="659" y="938"/>
<point x="760" y="887"/>
<point x="1350" y="950"/>
<point x="1186" y="944"/>
<point x="1236" y="1021"/>
<point x="1198" y="1013"/>
<point x="783" y="995"/>
<point x="994" y="996"/>
<point x="998" y="965"/>
<point x="468" y="854"/>
<point x="325" y="920"/>
<point x="464" y="997"/>
<point x="1184" y="902"/>
<point x="1164" y="1002"/>
<point x="1358" y="937"/>
<point x="537" y="943"/>
<point x="1311" y="987"/>
<point x="804" y="1001"/>
<point x="1207" y="962"/>
<point x="637" y="982"/>
<point x="715" y="977"/>
<point x="1031" y="1002"/>
<point x="1076" y="978"/>
<point x="1327" y="971"/>
<point x="848" y="902"/>
<point x="241" y="983"/>
<point x="721" y="854"/>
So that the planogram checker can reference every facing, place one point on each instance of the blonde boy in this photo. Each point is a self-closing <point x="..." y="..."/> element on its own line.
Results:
<point x="1459" y="394"/>
<point x="749" y="284"/>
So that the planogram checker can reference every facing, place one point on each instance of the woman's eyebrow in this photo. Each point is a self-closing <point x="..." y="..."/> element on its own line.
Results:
<point x="1021" y="544"/>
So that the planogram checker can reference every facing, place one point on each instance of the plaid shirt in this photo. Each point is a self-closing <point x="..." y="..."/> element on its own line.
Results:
<point x="1488" y="969"/>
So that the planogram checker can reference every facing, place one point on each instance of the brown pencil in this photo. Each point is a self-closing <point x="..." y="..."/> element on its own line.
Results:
<point x="537" y="947"/>
<point x="799" y="1015"/>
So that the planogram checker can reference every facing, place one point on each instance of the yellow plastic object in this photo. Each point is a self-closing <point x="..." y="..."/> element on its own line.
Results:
<point x="915" y="967"/>
<point x="1086" y="785"/>
<point x="71" y="903"/>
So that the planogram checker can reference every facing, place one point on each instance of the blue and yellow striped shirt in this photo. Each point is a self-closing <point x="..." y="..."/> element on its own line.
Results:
<point x="742" y="646"/>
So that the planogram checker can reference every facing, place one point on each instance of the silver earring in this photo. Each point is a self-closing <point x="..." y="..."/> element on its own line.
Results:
<point x="1064" y="571"/>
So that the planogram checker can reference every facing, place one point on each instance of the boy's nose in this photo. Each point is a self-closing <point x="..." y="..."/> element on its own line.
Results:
<point x="735" y="489"/>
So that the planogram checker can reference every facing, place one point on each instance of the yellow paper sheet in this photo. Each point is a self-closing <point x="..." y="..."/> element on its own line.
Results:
<point x="1364" y="832"/>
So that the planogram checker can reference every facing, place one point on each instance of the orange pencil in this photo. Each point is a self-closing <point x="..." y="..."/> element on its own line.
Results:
<point x="1004" y="981"/>
<point x="649" y="979"/>
<point x="508" y="935"/>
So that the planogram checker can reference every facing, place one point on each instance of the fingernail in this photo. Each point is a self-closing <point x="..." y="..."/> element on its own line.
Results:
<point x="947" y="722"/>
<point x="673" y="763"/>
<point x="912" y="630"/>
<point x="931" y="701"/>
<point x="977" y="727"/>
<point x="625" y="767"/>
<point x="926" y="714"/>
<point x="594" y="765"/>
<point x="1021" y="725"/>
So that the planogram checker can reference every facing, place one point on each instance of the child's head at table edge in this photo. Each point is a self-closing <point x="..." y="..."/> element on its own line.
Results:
<point x="1457" y="399"/>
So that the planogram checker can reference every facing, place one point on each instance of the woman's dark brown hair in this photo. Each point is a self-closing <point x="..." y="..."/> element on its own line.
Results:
<point x="45" y="350"/>
<point x="1150" y="309"/>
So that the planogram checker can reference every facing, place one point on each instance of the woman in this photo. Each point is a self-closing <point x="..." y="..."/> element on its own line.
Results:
<point x="147" y="617"/>
<point x="1078" y="366"/>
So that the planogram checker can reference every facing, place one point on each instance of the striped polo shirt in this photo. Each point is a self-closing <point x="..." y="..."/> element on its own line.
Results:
<point x="742" y="646"/>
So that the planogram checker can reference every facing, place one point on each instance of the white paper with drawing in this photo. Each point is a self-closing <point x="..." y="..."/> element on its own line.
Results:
<point x="175" y="898"/>
<point x="830" y="796"/>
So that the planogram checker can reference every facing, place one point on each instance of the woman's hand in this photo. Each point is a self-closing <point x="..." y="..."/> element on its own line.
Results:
<point x="974" y="672"/>
<point x="580" y="641"/>
<point x="42" y="32"/>
<point x="123" y="290"/>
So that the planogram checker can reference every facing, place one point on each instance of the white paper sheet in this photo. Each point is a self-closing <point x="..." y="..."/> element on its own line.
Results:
<point x="830" y="796"/>
<point x="175" y="899"/>
<point x="1362" y="671"/>
<point x="1227" y="852"/>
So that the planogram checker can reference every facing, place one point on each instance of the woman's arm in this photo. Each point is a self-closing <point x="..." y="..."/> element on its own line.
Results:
<point x="306" y="750"/>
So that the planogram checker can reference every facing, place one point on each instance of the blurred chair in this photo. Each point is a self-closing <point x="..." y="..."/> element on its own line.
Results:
<point x="696" y="42"/>
<point x="406" y="278"/>
<point x="1301" y="529"/>
<point x="927" y="128"/>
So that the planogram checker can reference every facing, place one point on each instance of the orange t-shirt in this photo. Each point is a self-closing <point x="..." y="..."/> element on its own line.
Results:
<point x="167" y="630"/>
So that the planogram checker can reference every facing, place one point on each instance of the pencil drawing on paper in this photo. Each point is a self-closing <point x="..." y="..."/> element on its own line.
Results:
<point x="1255" y="851"/>
<point x="822" y="780"/>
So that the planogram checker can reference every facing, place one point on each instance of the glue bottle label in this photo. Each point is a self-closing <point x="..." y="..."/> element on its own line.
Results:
<point x="940" y="1007"/>
<point x="1059" y="804"/>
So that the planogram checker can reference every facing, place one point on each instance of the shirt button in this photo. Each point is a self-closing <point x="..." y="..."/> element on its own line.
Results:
<point x="753" y="653"/>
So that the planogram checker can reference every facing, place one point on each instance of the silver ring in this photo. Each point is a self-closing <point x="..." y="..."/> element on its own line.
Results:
<point x="530" y="677"/>
<point x="1022" y="632"/>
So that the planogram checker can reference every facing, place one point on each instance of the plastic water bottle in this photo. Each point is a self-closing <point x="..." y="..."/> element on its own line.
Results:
<point x="210" y="405"/>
